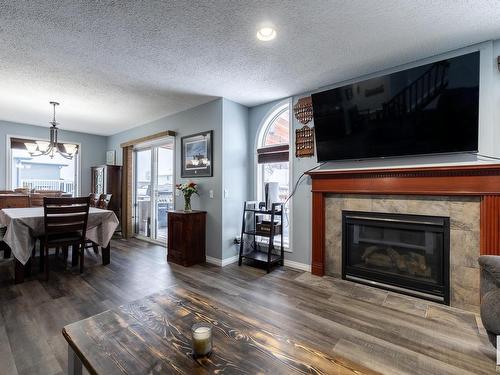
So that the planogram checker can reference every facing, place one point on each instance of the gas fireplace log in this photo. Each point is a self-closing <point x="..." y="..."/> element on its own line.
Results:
<point x="412" y="263"/>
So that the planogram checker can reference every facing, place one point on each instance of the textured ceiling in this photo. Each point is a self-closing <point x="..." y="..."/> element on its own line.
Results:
<point x="117" y="64"/>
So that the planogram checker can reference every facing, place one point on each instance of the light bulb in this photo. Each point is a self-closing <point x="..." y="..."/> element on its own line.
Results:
<point x="266" y="34"/>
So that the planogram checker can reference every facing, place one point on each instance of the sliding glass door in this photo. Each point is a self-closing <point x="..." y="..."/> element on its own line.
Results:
<point x="154" y="189"/>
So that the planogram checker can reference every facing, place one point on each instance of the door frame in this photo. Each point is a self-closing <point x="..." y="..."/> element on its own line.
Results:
<point x="150" y="145"/>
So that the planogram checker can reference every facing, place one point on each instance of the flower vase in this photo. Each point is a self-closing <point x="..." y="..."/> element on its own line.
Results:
<point x="187" y="203"/>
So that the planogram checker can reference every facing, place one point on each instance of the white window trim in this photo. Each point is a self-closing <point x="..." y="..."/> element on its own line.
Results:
<point x="8" y="161"/>
<point x="258" y="172"/>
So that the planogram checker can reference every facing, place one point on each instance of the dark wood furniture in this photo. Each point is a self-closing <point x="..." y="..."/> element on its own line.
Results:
<point x="259" y="229"/>
<point x="186" y="237"/>
<point x="14" y="200"/>
<point x="104" y="201"/>
<point x="94" y="198"/>
<point x="107" y="179"/>
<point x="11" y="200"/>
<point x="37" y="197"/>
<point x="36" y="213"/>
<point x="65" y="222"/>
<point x="469" y="180"/>
<point x="98" y="201"/>
<point x="3" y="246"/>
<point x="153" y="335"/>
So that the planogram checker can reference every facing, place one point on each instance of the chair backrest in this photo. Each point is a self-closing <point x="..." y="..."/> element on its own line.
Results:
<point x="94" y="199"/>
<point x="104" y="200"/>
<point x="6" y="191"/>
<point x="65" y="215"/>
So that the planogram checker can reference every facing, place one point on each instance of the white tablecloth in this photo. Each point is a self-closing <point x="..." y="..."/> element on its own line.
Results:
<point x="24" y="225"/>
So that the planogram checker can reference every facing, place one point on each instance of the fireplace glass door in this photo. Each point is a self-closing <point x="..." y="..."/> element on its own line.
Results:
<point x="405" y="253"/>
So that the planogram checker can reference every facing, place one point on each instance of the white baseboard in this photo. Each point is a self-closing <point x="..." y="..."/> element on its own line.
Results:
<point x="230" y="260"/>
<point x="297" y="265"/>
<point x="214" y="261"/>
<point x="222" y="262"/>
<point x="288" y="263"/>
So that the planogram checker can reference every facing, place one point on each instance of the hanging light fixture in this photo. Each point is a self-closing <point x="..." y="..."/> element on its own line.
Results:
<point x="39" y="148"/>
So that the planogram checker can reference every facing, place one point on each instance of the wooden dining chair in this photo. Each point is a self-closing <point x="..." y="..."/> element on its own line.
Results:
<point x="102" y="203"/>
<point x="3" y="246"/>
<point x="65" y="225"/>
<point x="94" y="199"/>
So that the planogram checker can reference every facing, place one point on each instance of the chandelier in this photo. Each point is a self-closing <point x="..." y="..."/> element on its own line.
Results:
<point x="39" y="148"/>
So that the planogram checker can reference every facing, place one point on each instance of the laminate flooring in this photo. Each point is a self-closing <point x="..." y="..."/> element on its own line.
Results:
<point x="366" y="328"/>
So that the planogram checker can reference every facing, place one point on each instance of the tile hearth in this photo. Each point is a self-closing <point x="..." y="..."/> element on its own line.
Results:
<point x="464" y="214"/>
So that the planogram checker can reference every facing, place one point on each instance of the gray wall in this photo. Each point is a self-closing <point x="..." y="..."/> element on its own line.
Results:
<point x="202" y="118"/>
<point x="489" y="138"/>
<point x="93" y="151"/>
<point x="235" y="172"/>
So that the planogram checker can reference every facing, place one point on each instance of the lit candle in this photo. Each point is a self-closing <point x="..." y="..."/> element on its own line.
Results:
<point x="202" y="339"/>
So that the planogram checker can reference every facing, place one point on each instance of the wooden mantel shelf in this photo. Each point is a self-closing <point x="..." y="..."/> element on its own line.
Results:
<point x="482" y="180"/>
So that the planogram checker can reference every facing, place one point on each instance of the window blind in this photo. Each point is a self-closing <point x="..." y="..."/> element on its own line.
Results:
<point x="273" y="154"/>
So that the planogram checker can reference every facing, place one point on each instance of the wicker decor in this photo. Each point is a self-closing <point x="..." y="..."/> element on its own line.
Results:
<point x="303" y="110"/>
<point x="304" y="142"/>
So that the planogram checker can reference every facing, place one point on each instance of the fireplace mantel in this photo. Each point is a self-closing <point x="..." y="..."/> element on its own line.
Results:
<point x="469" y="180"/>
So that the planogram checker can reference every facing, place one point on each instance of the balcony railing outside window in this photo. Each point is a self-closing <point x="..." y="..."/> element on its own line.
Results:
<point x="65" y="186"/>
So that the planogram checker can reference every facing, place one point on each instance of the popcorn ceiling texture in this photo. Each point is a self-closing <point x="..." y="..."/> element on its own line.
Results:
<point x="117" y="64"/>
<point x="464" y="235"/>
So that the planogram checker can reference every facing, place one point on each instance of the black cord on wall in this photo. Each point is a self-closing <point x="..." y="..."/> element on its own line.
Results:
<point x="300" y="178"/>
<point x="487" y="156"/>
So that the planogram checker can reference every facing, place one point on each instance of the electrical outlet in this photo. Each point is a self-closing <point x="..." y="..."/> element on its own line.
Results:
<point x="211" y="193"/>
<point x="226" y="193"/>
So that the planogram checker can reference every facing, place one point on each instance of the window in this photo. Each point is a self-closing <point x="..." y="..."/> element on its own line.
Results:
<point x="273" y="164"/>
<point x="41" y="172"/>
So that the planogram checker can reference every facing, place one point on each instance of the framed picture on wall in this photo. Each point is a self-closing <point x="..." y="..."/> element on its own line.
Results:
<point x="110" y="157"/>
<point x="197" y="155"/>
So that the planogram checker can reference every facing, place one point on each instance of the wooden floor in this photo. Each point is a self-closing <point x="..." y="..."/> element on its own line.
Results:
<point x="373" y="329"/>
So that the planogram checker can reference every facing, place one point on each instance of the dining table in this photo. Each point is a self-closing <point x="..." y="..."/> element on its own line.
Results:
<point x="25" y="225"/>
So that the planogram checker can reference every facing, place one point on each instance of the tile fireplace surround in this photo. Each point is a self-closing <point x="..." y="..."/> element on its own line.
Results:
<point x="468" y="195"/>
<point x="464" y="234"/>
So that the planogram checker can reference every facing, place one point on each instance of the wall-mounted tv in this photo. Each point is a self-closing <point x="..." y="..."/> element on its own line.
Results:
<point x="429" y="109"/>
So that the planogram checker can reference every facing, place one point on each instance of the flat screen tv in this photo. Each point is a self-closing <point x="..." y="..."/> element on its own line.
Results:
<point x="430" y="109"/>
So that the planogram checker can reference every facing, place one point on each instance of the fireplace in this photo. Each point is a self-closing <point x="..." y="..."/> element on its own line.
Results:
<point x="404" y="253"/>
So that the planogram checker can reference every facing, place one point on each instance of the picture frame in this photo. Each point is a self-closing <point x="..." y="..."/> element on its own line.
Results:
<point x="110" y="157"/>
<point x="197" y="155"/>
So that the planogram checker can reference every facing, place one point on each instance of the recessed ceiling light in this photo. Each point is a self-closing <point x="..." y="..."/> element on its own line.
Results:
<point x="266" y="34"/>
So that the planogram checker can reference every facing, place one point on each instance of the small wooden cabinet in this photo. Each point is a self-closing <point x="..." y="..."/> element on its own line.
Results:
<point x="107" y="179"/>
<point x="186" y="237"/>
<point x="14" y="201"/>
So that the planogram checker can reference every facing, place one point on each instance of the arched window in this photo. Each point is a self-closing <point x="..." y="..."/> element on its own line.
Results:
<point x="273" y="156"/>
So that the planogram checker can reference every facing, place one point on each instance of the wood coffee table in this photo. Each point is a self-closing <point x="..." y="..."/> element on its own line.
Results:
<point x="152" y="336"/>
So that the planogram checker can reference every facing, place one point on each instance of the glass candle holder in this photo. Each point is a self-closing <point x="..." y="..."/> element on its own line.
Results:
<point x="202" y="339"/>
